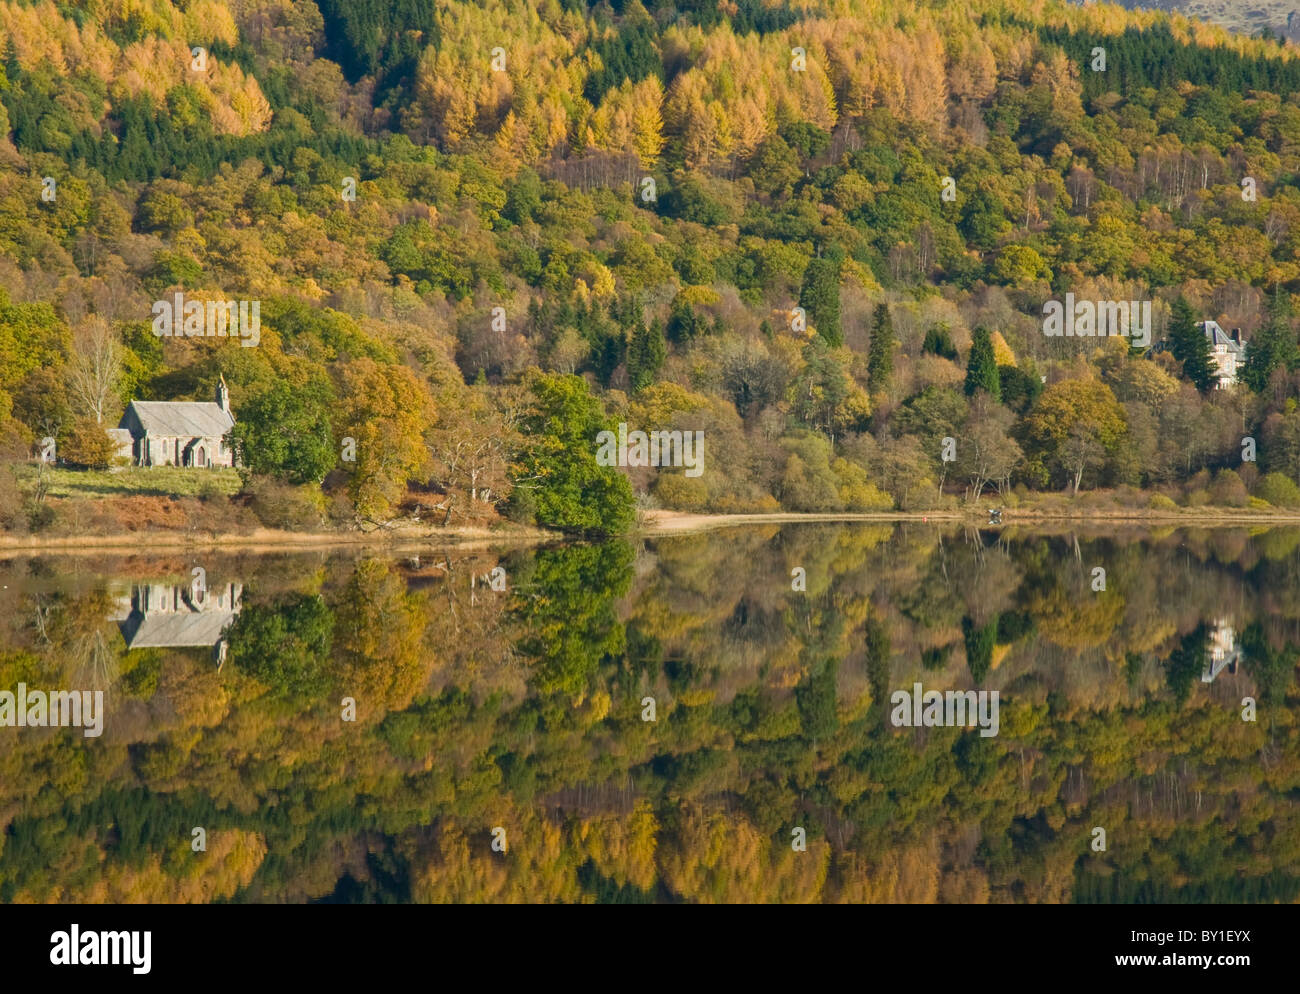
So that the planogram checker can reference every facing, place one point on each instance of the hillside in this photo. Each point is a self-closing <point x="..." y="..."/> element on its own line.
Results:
<point x="1248" y="17"/>
<point x="819" y="235"/>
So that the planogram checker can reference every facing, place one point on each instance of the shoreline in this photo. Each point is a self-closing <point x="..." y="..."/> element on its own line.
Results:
<point x="661" y="523"/>
<point x="269" y="540"/>
<point x="651" y="524"/>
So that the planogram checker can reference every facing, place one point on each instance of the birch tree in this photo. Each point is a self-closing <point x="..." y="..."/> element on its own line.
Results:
<point x="94" y="367"/>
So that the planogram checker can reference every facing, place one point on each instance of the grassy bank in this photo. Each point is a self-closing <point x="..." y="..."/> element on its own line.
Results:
<point x="133" y="481"/>
<point x="171" y="508"/>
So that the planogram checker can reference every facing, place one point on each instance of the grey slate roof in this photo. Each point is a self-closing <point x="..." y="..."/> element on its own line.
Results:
<point x="183" y="629"/>
<point x="194" y="418"/>
<point x="1218" y="336"/>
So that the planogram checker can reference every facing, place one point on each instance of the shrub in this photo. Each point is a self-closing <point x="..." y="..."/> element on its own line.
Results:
<point x="211" y="489"/>
<point x="11" y="500"/>
<point x="1249" y="474"/>
<point x="857" y="492"/>
<point x="765" y="504"/>
<point x="1228" y="490"/>
<point x="281" y="505"/>
<point x="1200" y="480"/>
<point x="1279" y="490"/>
<point x="521" y="508"/>
<point x="1159" y="502"/>
<point x="88" y="445"/>
<point x="339" y="509"/>
<point x="40" y="516"/>
<point x="681" y="493"/>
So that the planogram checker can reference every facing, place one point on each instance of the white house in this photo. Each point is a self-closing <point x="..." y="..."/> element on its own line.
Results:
<point x="1226" y="351"/>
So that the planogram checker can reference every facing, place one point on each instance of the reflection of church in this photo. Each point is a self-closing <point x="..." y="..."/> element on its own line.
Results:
<point x="165" y="615"/>
<point x="1221" y="652"/>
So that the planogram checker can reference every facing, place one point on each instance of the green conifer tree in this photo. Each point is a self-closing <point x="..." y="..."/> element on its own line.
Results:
<point x="880" y="356"/>
<point x="982" y="366"/>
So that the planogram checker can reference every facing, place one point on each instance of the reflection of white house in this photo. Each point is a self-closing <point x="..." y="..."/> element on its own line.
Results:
<point x="1226" y="351"/>
<point x="177" y="433"/>
<point x="1221" y="652"/>
<point x="165" y="615"/>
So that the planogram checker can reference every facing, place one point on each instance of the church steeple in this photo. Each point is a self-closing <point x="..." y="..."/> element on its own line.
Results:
<point x="223" y="394"/>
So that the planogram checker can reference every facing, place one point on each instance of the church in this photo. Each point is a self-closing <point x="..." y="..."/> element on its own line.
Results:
<point x="177" y="433"/>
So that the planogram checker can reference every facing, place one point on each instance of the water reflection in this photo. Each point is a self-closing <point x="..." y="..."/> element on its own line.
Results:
<point x="169" y="616"/>
<point x="1222" y="652"/>
<point x="653" y="722"/>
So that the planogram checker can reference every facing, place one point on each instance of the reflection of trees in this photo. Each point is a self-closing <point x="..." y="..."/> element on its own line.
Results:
<point x="379" y="630"/>
<point x="96" y="660"/>
<point x="1273" y="670"/>
<point x="285" y="644"/>
<point x="765" y="722"/>
<point x="564" y="608"/>
<point x="1074" y="616"/>
<point x="986" y="577"/>
<point x="73" y="631"/>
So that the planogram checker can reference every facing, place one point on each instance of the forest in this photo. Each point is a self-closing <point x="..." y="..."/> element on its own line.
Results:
<point x="821" y="233"/>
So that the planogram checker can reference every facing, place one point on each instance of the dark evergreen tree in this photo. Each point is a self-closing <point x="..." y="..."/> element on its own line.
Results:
<point x="820" y="298"/>
<point x="684" y="324"/>
<point x="938" y="341"/>
<point x="1019" y="389"/>
<point x="982" y="366"/>
<point x="645" y="355"/>
<point x="1273" y="347"/>
<point x="608" y="353"/>
<point x="1191" y="347"/>
<point x="880" y="355"/>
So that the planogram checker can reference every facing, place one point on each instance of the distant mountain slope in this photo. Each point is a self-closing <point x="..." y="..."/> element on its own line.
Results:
<point x="1248" y="17"/>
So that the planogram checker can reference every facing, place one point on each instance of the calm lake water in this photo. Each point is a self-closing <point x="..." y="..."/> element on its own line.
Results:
<point x="697" y="718"/>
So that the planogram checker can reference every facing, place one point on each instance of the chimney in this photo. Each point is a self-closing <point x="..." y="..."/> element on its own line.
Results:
<point x="223" y="394"/>
<point x="1236" y="335"/>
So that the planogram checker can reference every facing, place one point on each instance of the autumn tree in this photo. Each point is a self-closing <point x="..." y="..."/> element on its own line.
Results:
<point x="88" y="445"/>
<point x="94" y="367"/>
<point x="472" y="445"/>
<point x="986" y="450"/>
<point x="386" y="412"/>
<point x="1075" y="425"/>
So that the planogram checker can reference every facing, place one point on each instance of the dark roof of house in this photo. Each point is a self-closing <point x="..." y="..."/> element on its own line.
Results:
<point x="169" y="417"/>
<point x="1218" y="336"/>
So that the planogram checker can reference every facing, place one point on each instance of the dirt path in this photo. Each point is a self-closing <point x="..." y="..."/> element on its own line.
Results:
<point x="676" y="522"/>
<point x="658" y="523"/>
